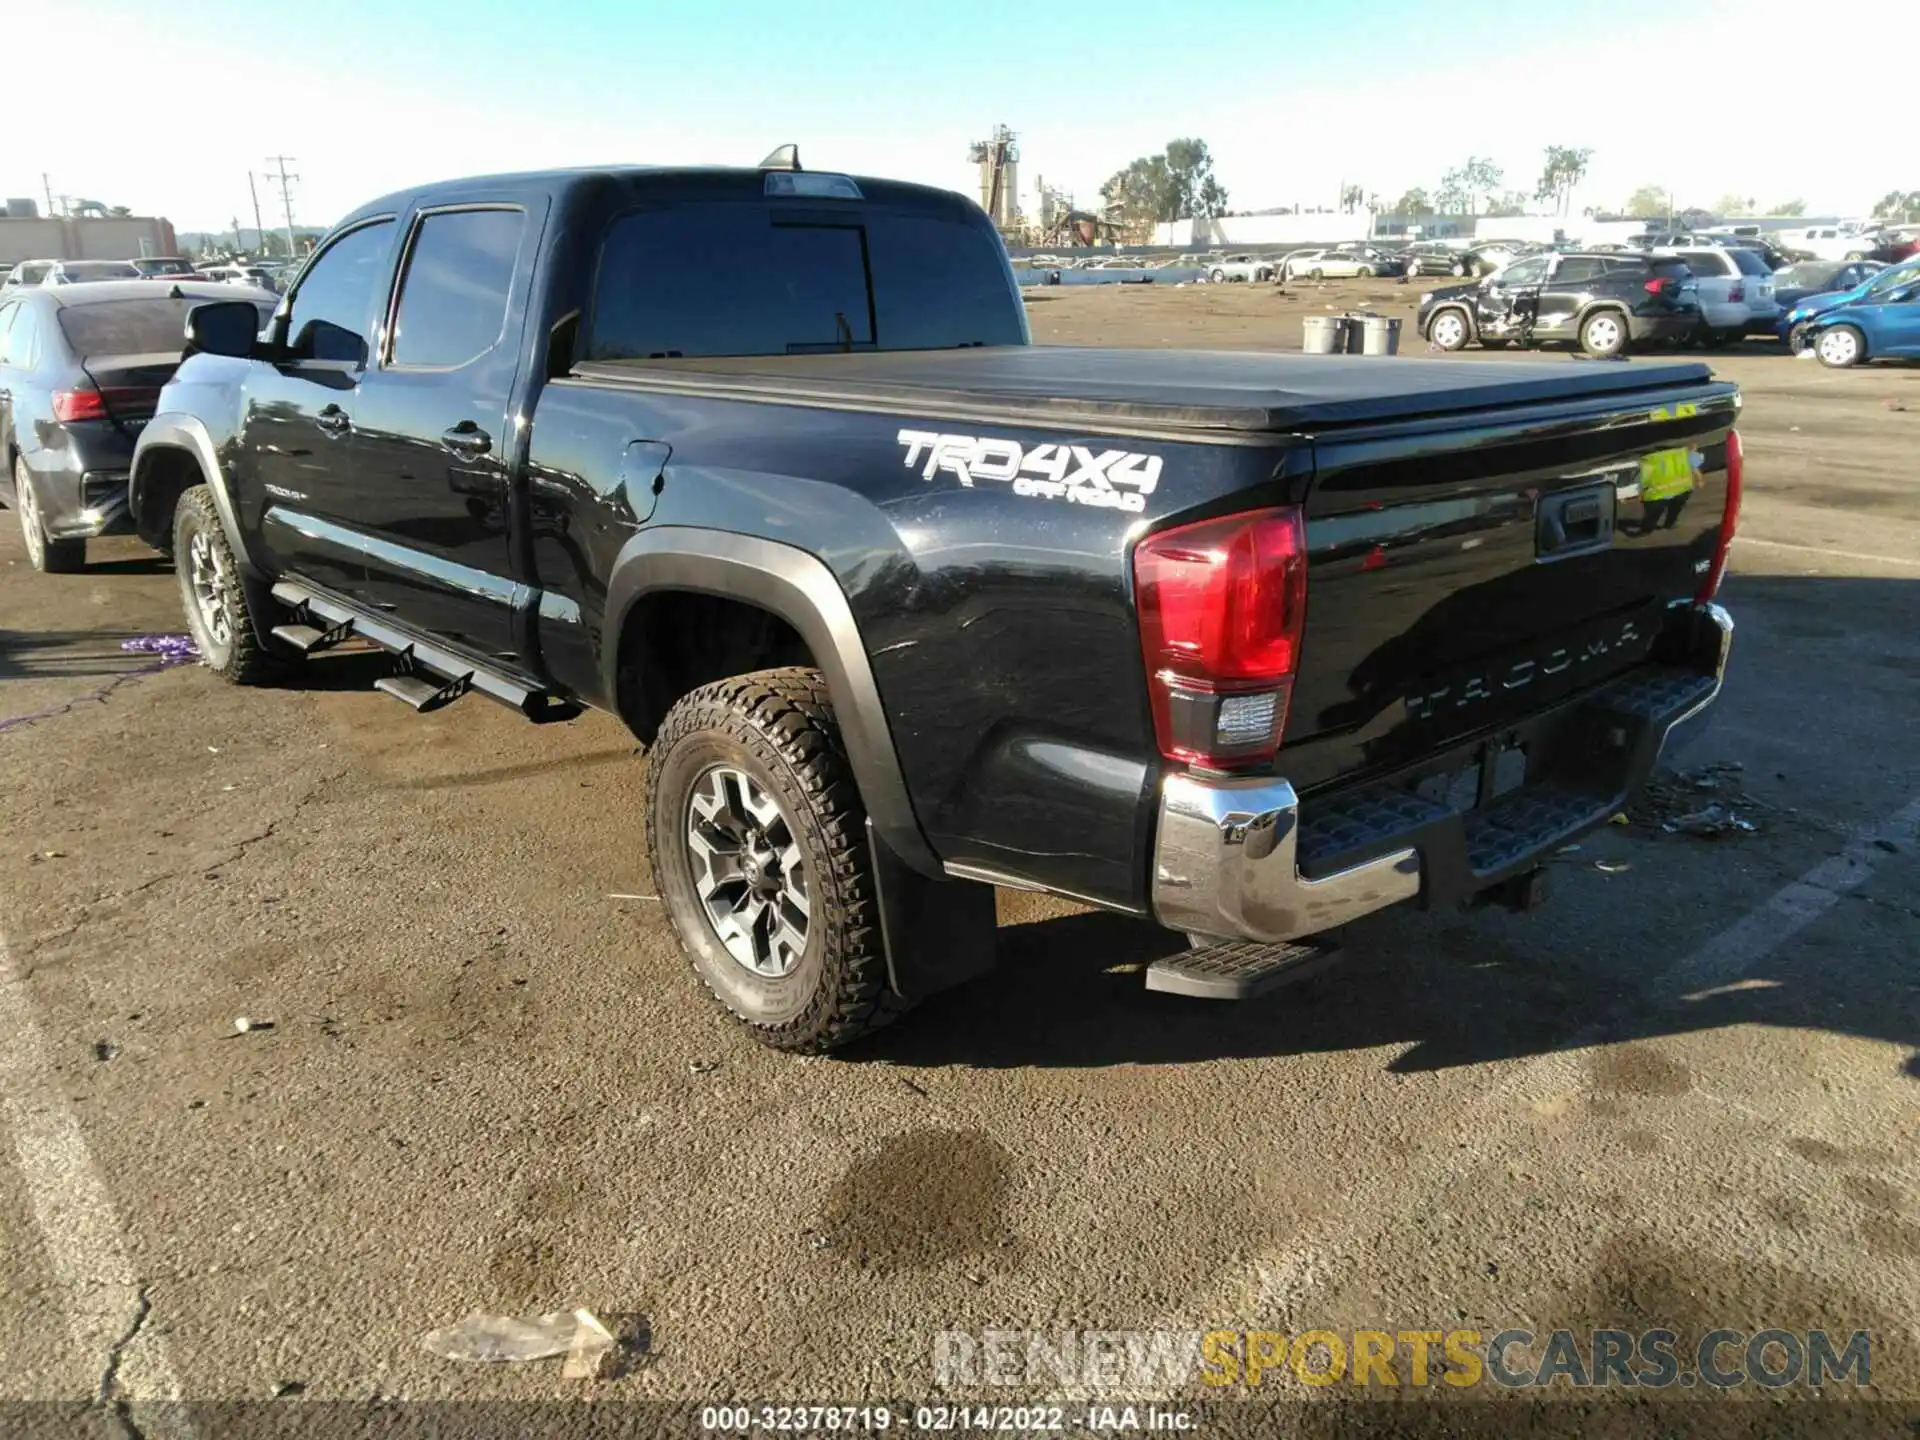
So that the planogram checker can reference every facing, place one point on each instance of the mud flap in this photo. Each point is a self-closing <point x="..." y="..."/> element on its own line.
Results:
<point x="938" y="933"/>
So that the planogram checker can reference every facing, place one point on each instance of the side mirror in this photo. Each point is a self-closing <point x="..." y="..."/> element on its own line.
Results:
<point x="224" y="327"/>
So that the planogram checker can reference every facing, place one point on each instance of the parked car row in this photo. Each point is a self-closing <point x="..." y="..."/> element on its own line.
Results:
<point x="30" y="273"/>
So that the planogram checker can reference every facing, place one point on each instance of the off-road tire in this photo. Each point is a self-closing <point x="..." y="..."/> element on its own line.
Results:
<point x="242" y="658"/>
<point x="48" y="556"/>
<point x="778" y="727"/>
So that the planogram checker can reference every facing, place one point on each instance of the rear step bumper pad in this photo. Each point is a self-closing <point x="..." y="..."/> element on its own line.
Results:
<point x="1234" y="858"/>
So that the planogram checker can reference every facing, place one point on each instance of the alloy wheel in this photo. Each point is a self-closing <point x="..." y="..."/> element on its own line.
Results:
<point x="29" y="509"/>
<point x="748" y="871"/>
<point x="207" y="574"/>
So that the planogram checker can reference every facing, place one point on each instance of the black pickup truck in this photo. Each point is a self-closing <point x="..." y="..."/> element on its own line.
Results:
<point x="904" y="607"/>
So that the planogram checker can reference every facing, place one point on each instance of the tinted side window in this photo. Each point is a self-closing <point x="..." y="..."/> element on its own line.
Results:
<point x="453" y="298"/>
<point x="1749" y="262"/>
<point x="1706" y="262"/>
<point x="1578" y="270"/>
<point x="1525" y="272"/>
<point x="332" y="309"/>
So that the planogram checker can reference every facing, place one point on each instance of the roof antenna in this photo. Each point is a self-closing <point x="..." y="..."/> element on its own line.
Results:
<point x="787" y="157"/>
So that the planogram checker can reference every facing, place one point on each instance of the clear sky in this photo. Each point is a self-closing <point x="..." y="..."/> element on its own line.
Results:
<point x="166" y="107"/>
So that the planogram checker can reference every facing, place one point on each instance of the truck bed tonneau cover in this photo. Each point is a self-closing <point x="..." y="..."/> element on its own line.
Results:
<point x="1193" y="390"/>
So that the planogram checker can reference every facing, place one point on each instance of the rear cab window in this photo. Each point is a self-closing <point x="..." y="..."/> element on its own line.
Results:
<point x="737" y="277"/>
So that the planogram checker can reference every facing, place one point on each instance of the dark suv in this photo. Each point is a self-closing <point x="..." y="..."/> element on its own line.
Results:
<point x="1605" y="302"/>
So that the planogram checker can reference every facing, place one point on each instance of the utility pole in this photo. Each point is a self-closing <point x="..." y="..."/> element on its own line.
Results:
<point x="238" y="248"/>
<point x="259" y="227"/>
<point x="286" y="194"/>
<point x="46" y="183"/>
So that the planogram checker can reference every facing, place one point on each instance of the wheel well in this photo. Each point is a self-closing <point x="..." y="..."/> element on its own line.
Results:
<point x="165" y="475"/>
<point x="1600" y="307"/>
<point x="675" y="641"/>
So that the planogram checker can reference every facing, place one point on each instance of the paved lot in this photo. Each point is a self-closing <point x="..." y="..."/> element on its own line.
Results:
<point x="1684" y="1094"/>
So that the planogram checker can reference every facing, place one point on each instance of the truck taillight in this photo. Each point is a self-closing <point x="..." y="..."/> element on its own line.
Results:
<point x="1729" y="518"/>
<point x="1738" y="293"/>
<point x="71" y="405"/>
<point x="1222" y="605"/>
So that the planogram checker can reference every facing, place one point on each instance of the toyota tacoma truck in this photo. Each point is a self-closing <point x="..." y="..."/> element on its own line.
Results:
<point x="904" y="607"/>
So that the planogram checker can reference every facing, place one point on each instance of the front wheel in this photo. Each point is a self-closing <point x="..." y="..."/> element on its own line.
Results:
<point x="1218" y="277"/>
<point x="1603" y="334"/>
<point x="1449" y="330"/>
<point x="1366" y="272"/>
<point x="1316" y="273"/>
<point x="1841" y="347"/>
<point x="760" y="856"/>
<point x="1459" y="268"/>
<point x="49" y="557"/>
<point x="222" y="605"/>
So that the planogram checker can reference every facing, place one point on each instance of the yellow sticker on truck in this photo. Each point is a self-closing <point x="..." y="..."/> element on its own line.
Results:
<point x="1665" y="474"/>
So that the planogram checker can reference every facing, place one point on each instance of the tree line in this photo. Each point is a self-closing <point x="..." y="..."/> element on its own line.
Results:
<point x="1179" y="184"/>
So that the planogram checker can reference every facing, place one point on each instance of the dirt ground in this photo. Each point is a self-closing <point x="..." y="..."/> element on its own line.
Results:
<point x="1685" y="1094"/>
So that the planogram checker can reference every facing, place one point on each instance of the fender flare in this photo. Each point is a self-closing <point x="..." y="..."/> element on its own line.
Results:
<point x="801" y="590"/>
<point x="177" y="431"/>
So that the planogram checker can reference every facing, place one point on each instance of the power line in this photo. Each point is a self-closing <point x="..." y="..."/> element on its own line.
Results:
<point x="279" y="162"/>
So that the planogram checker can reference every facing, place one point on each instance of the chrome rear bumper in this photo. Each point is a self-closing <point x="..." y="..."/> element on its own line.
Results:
<point x="1226" y="857"/>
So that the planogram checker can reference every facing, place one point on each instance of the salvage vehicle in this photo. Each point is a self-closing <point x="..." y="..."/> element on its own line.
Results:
<point x="1878" y="321"/>
<point x="81" y="368"/>
<point x="1734" y="287"/>
<point x="1809" y="278"/>
<point x="906" y="608"/>
<point x="1605" y="302"/>
<point x="1248" y="268"/>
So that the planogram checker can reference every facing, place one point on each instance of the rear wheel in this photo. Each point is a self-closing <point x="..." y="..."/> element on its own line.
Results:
<point x="758" y="839"/>
<point x="222" y="605"/>
<point x="1366" y="272"/>
<point x="1841" y="347"/>
<point x="1459" y="268"/>
<point x="49" y="557"/>
<point x="1449" y="329"/>
<point x="1603" y="334"/>
<point x="1218" y="277"/>
<point x="1316" y="273"/>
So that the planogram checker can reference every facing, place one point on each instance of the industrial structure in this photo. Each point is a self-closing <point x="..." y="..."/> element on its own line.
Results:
<point x="999" y="162"/>
<point x="87" y="232"/>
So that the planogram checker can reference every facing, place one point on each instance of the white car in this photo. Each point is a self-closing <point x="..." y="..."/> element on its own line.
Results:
<point x="1337" y="264"/>
<point x="1830" y="242"/>
<point x="1250" y="268"/>
<point x="1735" y="288"/>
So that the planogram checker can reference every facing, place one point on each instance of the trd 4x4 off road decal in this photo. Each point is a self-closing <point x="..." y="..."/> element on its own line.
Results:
<point x="1114" y="479"/>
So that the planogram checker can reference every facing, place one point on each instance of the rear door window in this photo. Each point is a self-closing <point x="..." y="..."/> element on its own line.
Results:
<point x="1707" y="262"/>
<point x="746" y="279"/>
<point x="1578" y="270"/>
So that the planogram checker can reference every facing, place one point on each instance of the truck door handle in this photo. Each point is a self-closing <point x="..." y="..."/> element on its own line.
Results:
<point x="333" y="420"/>
<point x="467" y="440"/>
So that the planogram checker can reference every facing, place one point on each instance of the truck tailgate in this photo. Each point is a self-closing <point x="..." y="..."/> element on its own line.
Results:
<point x="1460" y="578"/>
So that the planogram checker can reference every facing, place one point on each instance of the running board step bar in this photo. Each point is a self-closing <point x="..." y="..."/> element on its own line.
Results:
<point x="1241" y="969"/>
<point x="429" y="676"/>
<point x="310" y="639"/>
